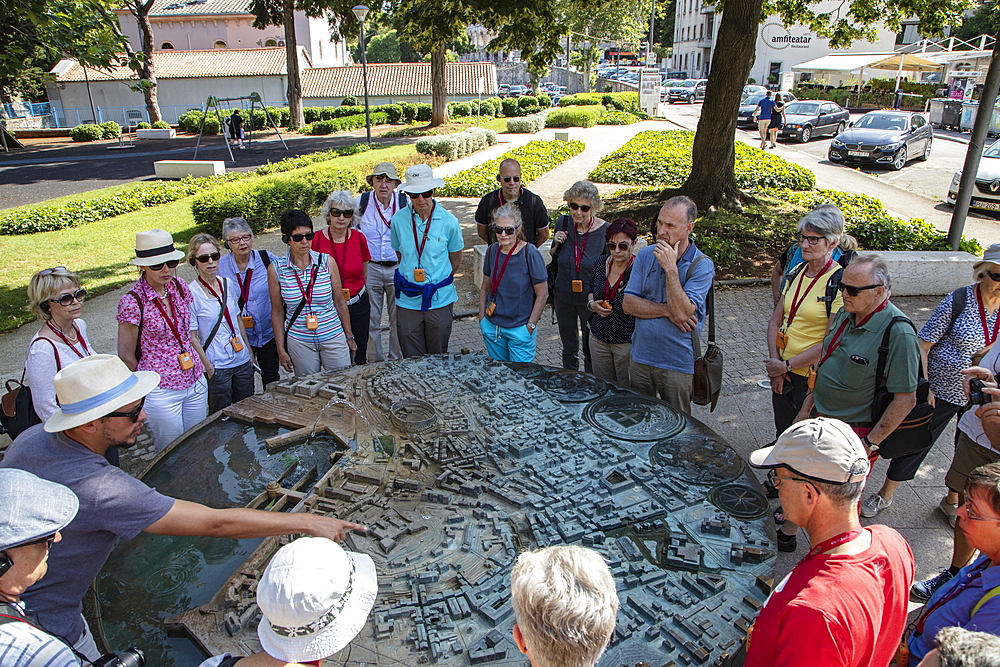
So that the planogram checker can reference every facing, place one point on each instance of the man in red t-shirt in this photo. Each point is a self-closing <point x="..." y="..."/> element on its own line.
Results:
<point x="845" y="603"/>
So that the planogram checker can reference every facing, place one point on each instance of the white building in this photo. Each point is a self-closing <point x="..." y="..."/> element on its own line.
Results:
<point x="191" y="25"/>
<point x="696" y="27"/>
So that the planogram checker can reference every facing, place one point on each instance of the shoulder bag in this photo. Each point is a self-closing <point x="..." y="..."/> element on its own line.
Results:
<point x="914" y="433"/>
<point x="18" y="413"/>
<point x="553" y="267"/>
<point x="707" y="382"/>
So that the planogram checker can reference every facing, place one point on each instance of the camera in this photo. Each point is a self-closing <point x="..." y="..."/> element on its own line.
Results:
<point x="976" y="394"/>
<point x="130" y="657"/>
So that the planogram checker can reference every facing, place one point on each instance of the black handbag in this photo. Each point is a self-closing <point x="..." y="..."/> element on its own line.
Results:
<point x="17" y="411"/>
<point x="914" y="432"/>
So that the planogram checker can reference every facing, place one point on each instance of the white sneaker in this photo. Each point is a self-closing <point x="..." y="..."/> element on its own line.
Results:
<point x="874" y="505"/>
<point x="948" y="509"/>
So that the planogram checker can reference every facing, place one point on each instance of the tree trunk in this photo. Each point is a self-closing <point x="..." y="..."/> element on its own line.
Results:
<point x="147" y="70"/>
<point x="294" y="92"/>
<point x="439" y="87"/>
<point x="712" y="181"/>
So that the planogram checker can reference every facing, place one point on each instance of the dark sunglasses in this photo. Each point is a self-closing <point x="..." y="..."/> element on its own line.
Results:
<point x="421" y="195"/>
<point x="133" y="414"/>
<point x="854" y="291"/>
<point x="172" y="264"/>
<point x="583" y="207"/>
<point x="508" y="179"/>
<point x="337" y="213"/>
<point x="995" y="277"/>
<point x="622" y="245"/>
<point x="48" y="541"/>
<point x="45" y="272"/>
<point x="505" y="230"/>
<point x="811" y="240"/>
<point x="308" y="236"/>
<point x="67" y="299"/>
<point x="204" y="258"/>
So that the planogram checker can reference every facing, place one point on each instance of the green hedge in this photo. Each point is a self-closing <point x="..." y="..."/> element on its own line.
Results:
<point x="161" y="125"/>
<point x="393" y="111"/>
<point x="143" y="126"/>
<point x="526" y="125"/>
<point x="536" y="158"/>
<point x="88" y="132"/>
<point x="459" y="144"/>
<point x="262" y="200"/>
<point x="664" y="158"/>
<point x="344" y="123"/>
<point x="617" y="101"/>
<point x="618" y="118"/>
<point x="581" y="116"/>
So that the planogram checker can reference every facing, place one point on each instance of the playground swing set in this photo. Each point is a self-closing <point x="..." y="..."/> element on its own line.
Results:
<point x="217" y="103"/>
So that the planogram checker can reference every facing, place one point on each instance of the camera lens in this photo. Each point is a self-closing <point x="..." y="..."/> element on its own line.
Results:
<point x="130" y="657"/>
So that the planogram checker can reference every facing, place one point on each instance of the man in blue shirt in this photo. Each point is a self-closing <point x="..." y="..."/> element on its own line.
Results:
<point x="763" y="115"/>
<point x="666" y="293"/>
<point x="428" y="242"/>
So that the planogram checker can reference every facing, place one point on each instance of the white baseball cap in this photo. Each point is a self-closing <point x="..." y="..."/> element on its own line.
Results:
<point x="822" y="449"/>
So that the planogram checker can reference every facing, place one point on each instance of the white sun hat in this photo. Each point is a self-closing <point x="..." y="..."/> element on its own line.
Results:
<point x="420" y="178"/>
<point x="155" y="247"/>
<point x="91" y="387"/>
<point x="315" y="598"/>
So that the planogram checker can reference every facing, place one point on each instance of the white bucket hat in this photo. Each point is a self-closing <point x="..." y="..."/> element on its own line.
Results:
<point x="991" y="256"/>
<point x="91" y="387"/>
<point x="315" y="598"/>
<point x="420" y="178"/>
<point x="155" y="247"/>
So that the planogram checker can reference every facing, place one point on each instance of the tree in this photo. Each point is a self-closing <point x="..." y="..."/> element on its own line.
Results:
<point x="147" y="68"/>
<point x="985" y="21"/>
<point x="712" y="182"/>
<point x="621" y="22"/>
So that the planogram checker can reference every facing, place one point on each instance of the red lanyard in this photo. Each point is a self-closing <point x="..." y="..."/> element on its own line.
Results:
<point x="222" y="302"/>
<point x="70" y="345"/>
<point x="427" y="230"/>
<point x="794" y="308"/>
<point x="832" y="543"/>
<point x="970" y="576"/>
<point x="498" y="272"/>
<point x="835" y="341"/>
<point x="982" y="319"/>
<point x="169" y="321"/>
<point x="244" y="288"/>
<point x="394" y="204"/>
<point x="611" y="292"/>
<point x="579" y="250"/>
<point x="306" y="293"/>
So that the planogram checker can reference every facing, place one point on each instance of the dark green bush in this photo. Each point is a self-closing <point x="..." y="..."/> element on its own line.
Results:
<point x="349" y="101"/>
<point x="424" y="112"/>
<point x="509" y="106"/>
<point x="526" y="101"/>
<point x="544" y="101"/>
<point x="393" y="112"/>
<point x="110" y="130"/>
<point x="160" y="125"/>
<point x="190" y="121"/>
<point x="536" y="158"/>
<point x="343" y="124"/>
<point x="143" y="126"/>
<point x="349" y="110"/>
<point x="409" y="111"/>
<point x="87" y="132"/>
<point x="579" y="100"/>
<point x="618" y="101"/>
<point x="312" y="114"/>
<point x="580" y="116"/>
<point x="459" y="109"/>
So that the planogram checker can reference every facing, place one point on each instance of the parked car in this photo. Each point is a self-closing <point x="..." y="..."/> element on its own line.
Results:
<point x="518" y="90"/>
<point x="884" y="137"/>
<point x="688" y="91"/>
<point x="749" y="103"/>
<point x="503" y="90"/>
<point x="562" y="90"/>
<point x="751" y="88"/>
<point x="987" y="192"/>
<point x="805" y="119"/>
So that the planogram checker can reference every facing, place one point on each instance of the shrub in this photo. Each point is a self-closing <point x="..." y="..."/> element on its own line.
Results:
<point x="496" y="104"/>
<point x="348" y="110"/>
<point x="526" y="101"/>
<point x="578" y="100"/>
<point x="262" y="200"/>
<point x="459" y="144"/>
<point x="280" y="116"/>
<point x="160" y="125"/>
<point x="544" y="101"/>
<point x="424" y="112"/>
<point x="536" y="158"/>
<point x="527" y="125"/>
<point x="664" y="158"/>
<point x="618" y="118"/>
<point x="509" y="106"/>
<point x="393" y="112"/>
<point x="312" y="114"/>
<point x="586" y="116"/>
<point x="88" y="132"/>
<point x="143" y="126"/>
<point x="409" y="111"/>
<point x="349" y="101"/>
<point x="190" y="121"/>
<point x="342" y="124"/>
<point x="459" y="109"/>
<point x="618" y="101"/>
<point x="110" y="130"/>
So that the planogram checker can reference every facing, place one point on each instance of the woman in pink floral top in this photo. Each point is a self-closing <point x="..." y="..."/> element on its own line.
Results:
<point x="156" y="332"/>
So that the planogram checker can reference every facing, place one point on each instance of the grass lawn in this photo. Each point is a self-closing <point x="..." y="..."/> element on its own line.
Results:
<point x="100" y="252"/>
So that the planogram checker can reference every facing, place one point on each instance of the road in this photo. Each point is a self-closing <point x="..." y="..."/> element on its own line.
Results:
<point x="923" y="184"/>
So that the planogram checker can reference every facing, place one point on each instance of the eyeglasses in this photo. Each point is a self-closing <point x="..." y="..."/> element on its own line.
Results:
<point x="995" y="277"/>
<point x="505" y="230"/>
<point x="973" y="516"/>
<point x="508" y="179"/>
<point x="204" y="258"/>
<point x="775" y="481"/>
<point x="811" y="240"/>
<point x="308" y="236"/>
<point x="854" y="291"/>
<point x="583" y="207"/>
<point x="171" y="264"/>
<point x="423" y="195"/>
<point x="622" y="245"/>
<point x="47" y="272"/>
<point x="241" y="239"/>
<point x="133" y="414"/>
<point x="68" y="298"/>
<point x="48" y="541"/>
<point x="337" y="213"/>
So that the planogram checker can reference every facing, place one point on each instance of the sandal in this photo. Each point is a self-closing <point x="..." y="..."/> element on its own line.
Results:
<point x="779" y="516"/>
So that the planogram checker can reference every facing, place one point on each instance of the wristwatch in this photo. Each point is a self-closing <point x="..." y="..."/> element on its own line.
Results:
<point x="531" y="327"/>
<point x="350" y="338"/>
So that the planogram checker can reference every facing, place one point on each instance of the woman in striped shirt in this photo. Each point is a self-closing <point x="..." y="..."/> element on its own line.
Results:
<point x="307" y="304"/>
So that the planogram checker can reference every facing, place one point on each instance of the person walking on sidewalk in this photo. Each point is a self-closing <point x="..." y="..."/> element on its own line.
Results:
<point x="762" y="114"/>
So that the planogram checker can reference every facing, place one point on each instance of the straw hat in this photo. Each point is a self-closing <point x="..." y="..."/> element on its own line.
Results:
<point x="383" y="169"/>
<point x="315" y="598"/>
<point x="91" y="387"/>
<point x="155" y="247"/>
<point x="32" y="507"/>
<point x="420" y="178"/>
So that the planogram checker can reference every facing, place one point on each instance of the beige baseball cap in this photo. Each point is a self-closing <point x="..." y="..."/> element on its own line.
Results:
<point x="826" y="450"/>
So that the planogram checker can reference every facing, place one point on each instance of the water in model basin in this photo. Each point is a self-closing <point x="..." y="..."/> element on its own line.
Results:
<point x="153" y="577"/>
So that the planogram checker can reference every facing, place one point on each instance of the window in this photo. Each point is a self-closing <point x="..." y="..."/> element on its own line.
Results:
<point x="918" y="121"/>
<point x="219" y="44"/>
<point x="701" y="31"/>
<point x="697" y="61"/>
<point x="166" y="46"/>
<point x="773" y="73"/>
<point x="270" y="42"/>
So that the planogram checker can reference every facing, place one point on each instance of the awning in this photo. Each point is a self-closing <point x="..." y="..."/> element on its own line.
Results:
<point x="849" y="62"/>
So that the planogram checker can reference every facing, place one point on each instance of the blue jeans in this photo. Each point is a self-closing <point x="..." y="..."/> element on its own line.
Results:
<point x="513" y="344"/>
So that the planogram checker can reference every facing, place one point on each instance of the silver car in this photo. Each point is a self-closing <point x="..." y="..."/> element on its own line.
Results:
<point x="987" y="192"/>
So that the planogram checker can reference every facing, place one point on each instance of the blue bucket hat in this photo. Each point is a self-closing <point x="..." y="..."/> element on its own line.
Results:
<point x="32" y="507"/>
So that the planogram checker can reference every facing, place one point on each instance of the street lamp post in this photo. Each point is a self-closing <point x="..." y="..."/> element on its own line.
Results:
<point x="360" y="11"/>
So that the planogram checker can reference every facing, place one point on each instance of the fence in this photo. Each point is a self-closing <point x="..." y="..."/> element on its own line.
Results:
<point x="35" y="116"/>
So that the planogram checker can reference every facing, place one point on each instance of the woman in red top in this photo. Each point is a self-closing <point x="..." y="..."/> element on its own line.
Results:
<point x="349" y="249"/>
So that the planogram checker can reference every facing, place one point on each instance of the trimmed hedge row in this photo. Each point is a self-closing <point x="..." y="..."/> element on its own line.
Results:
<point x="459" y="144"/>
<point x="664" y="158"/>
<point x="618" y="118"/>
<point x="344" y="123"/>
<point x="313" y="114"/>
<point x="536" y="158"/>
<point x="618" y="101"/>
<point x="581" y="116"/>
<point x="526" y="125"/>
<point x="95" y="132"/>
<point x="262" y="200"/>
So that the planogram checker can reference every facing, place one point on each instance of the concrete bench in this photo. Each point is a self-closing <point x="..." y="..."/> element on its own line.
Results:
<point x="156" y="133"/>
<point x="182" y="168"/>
<point x="916" y="273"/>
